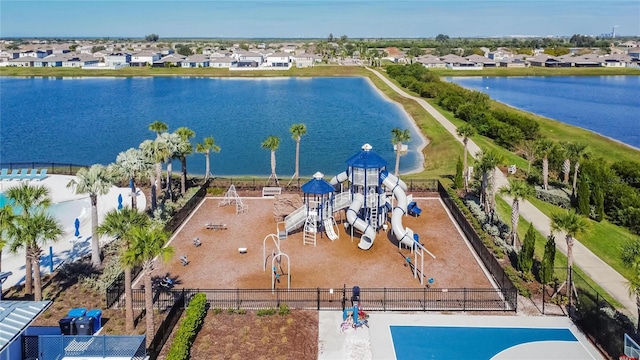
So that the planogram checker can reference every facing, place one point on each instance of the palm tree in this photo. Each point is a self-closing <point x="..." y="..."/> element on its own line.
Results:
<point x="544" y="148"/>
<point x="186" y="148"/>
<point x="398" y="137"/>
<point x="7" y="223"/>
<point x="466" y="131"/>
<point x="577" y="153"/>
<point x="487" y="163"/>
<point x="517" y="190"/>
<point x="34" y="232"/>
<point x="297" y="132"/>
<point x="173" y="143"/>
<point x="147" y="243"/>
<point x="208" y="145"/>
<point x="156" y="152"/>
<point x="528" y="150"/>
<point x="29" y="198"/>
<point x="631" y="259"/>
<point x="573" y="225"/>
<point x="158" y="127"/>
<point x="118" y="223"/>
<point x="131" y="164"/>
<point x="272" y="143"/>
<point x="94" y="181"/>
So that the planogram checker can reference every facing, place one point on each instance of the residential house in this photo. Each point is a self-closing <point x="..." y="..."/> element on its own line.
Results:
<point x="280" y="59"/>
<point x="486" y="51"/>
<point x="545" y="60"/>
<point x="634" y="53"/>
<point x="80" y="61"/>
<point x="23" y="61"/>
<point x="629" y="44"/>
<point x="304" y="60"/>
<point x="430" y="61"/>
<point x="248" y="56"/>
<point x="34" y="53"/>
<point x="144" y="58"/>
<point x="514" y="62"/>
<point x="196" y="61"/>
<point x="172" y="60"/>
<point x="456" y="62"/>
<point x="616" y="60"/>
<point x="117" y="59"/>
<point x="6" y="55"/>
<point x="589" y="60"/>
<point x="479" y="59"/>
<point x="223" y="62"/>
<point x="499" y="55"/>
<point x="289" y="48"/>
<point x="53" y="60"/>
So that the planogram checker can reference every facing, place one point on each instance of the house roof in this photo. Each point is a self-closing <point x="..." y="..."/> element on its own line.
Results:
<point x="279" y="54"/>
<point x="222" y="60"/>
<point x="15" y="317"/>
<point x="480" y="59"/>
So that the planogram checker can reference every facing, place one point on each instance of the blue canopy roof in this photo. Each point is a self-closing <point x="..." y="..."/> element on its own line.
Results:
<point x="317" y="186"/>
<point x="367" y="159"/>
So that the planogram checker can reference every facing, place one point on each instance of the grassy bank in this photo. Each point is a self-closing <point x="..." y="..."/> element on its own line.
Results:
<point x="204" y="72"/>
<point x="504" y="211"/>
<point x="538" y="71"/>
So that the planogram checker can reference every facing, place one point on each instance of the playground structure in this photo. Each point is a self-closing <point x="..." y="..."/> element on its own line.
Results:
<point x="276" y="255"/>
<point x="366" y="191"/>
<point x="231" y="197"/>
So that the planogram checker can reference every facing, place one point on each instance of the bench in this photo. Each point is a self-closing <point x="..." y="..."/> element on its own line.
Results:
<point x="271" y="191"/>
<point x="511" y="169"/>
<point x="212" y="226"/>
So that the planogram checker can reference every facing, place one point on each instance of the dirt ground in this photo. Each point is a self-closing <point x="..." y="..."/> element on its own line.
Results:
<point x="218" y="264"/>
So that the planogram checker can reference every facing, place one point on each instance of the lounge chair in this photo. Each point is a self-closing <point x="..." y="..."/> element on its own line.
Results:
<point x="4" y="174"/>
<point x="43" y="175"/>
<point x="21" y="175"/>
<point x="14" y="173"/>
<point x="30" y="175"/>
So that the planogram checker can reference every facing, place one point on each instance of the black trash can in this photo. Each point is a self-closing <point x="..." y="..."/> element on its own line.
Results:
<point x="355" y="298"/>
<point x="84" y="325"/>
<point x="66" y="325"/>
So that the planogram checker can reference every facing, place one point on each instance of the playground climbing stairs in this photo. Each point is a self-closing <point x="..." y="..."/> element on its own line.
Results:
<point x="231" y="197"/>
<point x="310" y="230"/>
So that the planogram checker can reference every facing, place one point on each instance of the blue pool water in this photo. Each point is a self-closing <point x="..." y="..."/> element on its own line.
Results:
<point x="91" y="120"/>
<point x="608" y="105"/>
<point x="448" y="342"/>
<point x="65" y="212"/>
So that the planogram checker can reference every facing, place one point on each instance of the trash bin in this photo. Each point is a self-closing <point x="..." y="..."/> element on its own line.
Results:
<point x="355" y="298"/>
<point x="77" y="312"/>
<point x="84" y="325"/>
<point x="96" y="314"/>
<point x="66" y="325"/>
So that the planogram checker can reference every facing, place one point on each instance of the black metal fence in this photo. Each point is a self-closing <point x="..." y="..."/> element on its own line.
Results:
<point x="372" y="299"/>
<point x="257" y="183"/>
<point x="164" y="330"/>
<point x="52" y="167"/>
<point x="488" y="259"/>
<point x="116" y="288"/>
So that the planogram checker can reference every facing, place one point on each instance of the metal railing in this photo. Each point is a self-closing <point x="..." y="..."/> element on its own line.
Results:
<point x="55" y="347"/>
<point x="488" y="259"/>
<point x="373" y="299"/>
<point x="52" y="167"/>
<point x="166" y="327"/>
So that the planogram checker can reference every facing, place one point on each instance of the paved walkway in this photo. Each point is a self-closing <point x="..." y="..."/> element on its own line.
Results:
<point x="603" y="274"/>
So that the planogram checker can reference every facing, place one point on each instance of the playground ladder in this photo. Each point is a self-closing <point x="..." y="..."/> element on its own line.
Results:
<point x="310" y="231"/>
<point x="230" y="196"/>
<point x="373" y="197"/>
<point x="240" y="207"/>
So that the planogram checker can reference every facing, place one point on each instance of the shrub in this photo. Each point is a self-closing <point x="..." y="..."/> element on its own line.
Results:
<point x="548" y="260"/>
<point x="525" y="257"/>
<point x="554" y="196"/>
<point x="188" y="329"/>
<point x="283" y="310"/>
<point x="266" y="312"/>
<point x="517" y="281"/>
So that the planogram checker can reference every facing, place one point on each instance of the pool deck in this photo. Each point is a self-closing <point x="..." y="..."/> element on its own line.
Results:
<point x="69" y="246"/>
<point x="376" y="342"/>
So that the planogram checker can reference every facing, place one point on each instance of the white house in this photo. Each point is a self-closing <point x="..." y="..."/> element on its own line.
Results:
<point x="196" y="61"/>
<point x="430" y="61"/>
<point x="223" y="62"/>
<point x="80" y="61"/>
<point x="304" y="60"/>
<point x="144" y="58"/>
<point x="34" y="53"/>
<point x="279" y="59"/>
<point x="117" y="59"/>
<point x="250" y="56"/>
<point x="499" y="55"/>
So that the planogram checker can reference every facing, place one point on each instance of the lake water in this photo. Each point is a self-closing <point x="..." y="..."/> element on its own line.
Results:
<point x="609" y="105"/>
<point x="90" y="120"/>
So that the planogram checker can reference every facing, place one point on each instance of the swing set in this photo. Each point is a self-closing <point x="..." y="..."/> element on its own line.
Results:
<point x="276" y="257"/>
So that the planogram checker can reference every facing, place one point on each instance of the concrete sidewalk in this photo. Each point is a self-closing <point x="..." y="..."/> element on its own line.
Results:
<point x="603" y="274"/>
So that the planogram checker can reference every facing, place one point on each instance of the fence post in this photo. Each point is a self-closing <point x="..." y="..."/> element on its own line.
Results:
<point x="384" y="299"/>
<point x="277" y="298"/>
<point x="570" y="286"/>
<point x="543" y="298"/>
<point x="237" y="298"/>
<point x="344" y="296"/>
<point x="464" y="299"/>
<point x="318" y="308"/>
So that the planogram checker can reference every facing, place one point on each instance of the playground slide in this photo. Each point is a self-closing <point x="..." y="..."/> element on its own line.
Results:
<point x="399" y="188"/>
<point x="368" y="232"/>
<point x="296" y="219"/>
<point x="339" y="178"/>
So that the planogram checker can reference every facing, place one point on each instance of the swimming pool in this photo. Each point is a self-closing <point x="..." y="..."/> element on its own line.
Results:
<point x="460" y="342"/>
<point x="65" y="211"/>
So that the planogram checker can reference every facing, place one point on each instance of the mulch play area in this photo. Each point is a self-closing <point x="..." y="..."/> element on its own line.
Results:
<point x="218" y="264"/>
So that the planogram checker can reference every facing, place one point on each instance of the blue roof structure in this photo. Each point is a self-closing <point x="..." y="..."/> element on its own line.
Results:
<point x="317" y="186"/>
<point x="366" y="159"/>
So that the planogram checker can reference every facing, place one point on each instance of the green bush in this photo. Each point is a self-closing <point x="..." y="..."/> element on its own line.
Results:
<point x="517" y="281"/>
<point x="554" y="196"/>
<point x="188" y="329"/>
<point x="266" y="312"/>
<point x="283" y="310"/>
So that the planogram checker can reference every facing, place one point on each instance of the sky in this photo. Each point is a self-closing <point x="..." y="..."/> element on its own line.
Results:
<point x="316" y="18"/>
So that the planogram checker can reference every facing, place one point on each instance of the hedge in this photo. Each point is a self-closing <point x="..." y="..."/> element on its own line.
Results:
<point x="188" y="329"/>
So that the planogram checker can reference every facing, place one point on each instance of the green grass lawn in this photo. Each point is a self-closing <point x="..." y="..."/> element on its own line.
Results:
<point x="504" y="211"/>
<point x="604" y="239"/>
